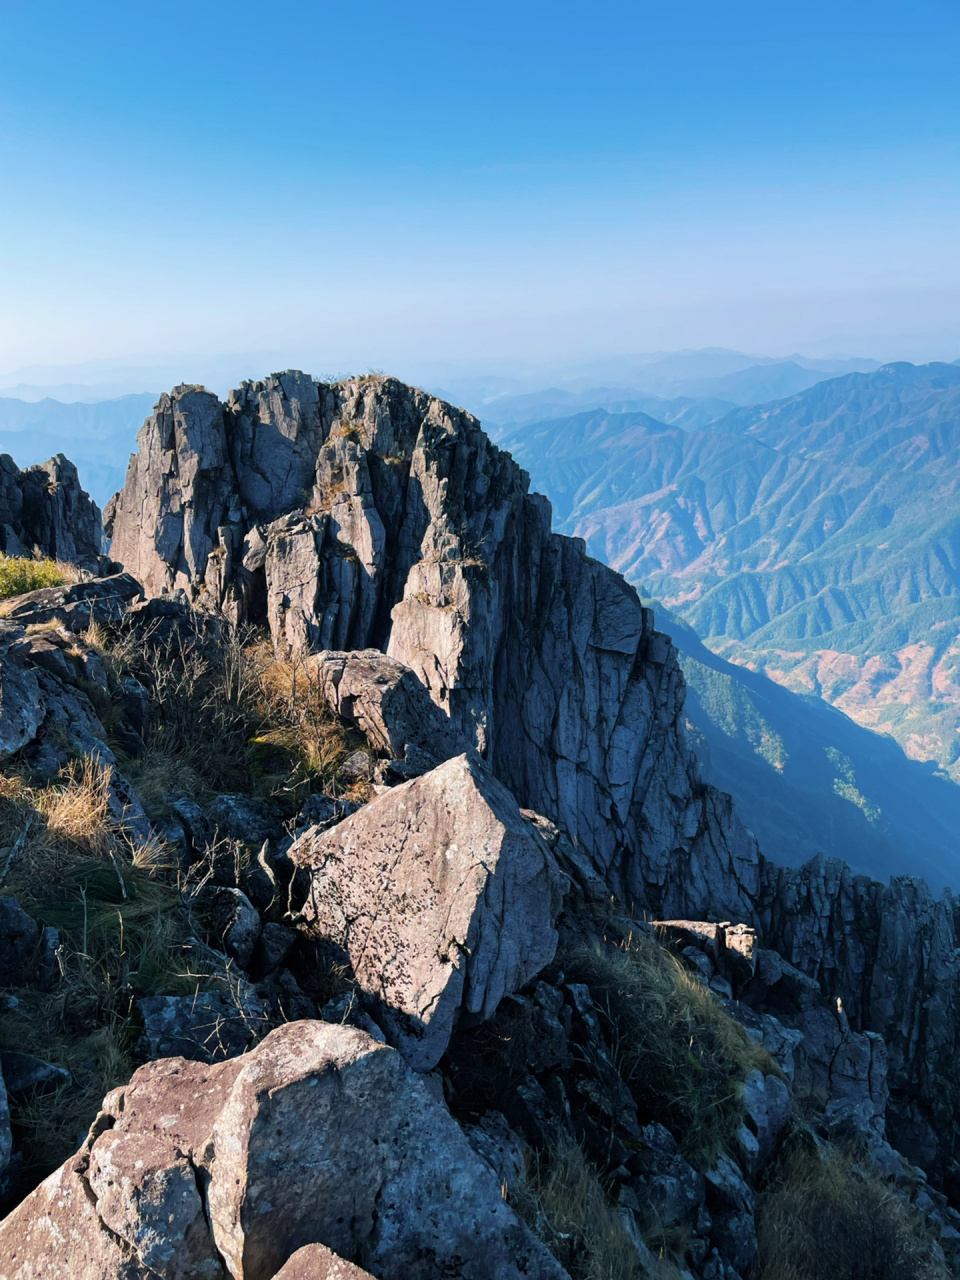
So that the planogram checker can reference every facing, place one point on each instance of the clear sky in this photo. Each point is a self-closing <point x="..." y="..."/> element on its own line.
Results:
<point x="364" y="182"/>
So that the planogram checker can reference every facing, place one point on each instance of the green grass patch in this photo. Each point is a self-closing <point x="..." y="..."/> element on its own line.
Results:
<point x="18" y="575"/>
<point x="683" y="1056"/>
<point x="826" y="1216"/>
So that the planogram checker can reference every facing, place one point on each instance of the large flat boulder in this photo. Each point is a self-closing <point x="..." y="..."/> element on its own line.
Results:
<point x="321" y="1136"/>
<point x="442" y="898"/>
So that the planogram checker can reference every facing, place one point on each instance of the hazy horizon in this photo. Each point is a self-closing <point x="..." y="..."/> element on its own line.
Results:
<point x="112" y="378"/>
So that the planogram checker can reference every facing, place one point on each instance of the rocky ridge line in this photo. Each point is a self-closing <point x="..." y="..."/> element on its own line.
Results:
<point x="517" y="672"/>
<point x="278" y="504"/>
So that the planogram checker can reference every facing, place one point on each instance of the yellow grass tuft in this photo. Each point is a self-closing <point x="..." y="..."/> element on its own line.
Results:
<point x="827" y="1216"/>
<point x="563" y="1202"/>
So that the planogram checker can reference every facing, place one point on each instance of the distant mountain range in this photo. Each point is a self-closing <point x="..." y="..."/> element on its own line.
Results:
<point x="816" y="539"/>
<point x="713" y="372"/>
<point x="92" y="407"/>
<point x="757" y="384"/>
<point x="813" y="542"/>
<point x="554" y="402"/>
<point x="97" y="437"/>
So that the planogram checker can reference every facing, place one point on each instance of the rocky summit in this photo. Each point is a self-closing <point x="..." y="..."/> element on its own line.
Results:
<point x="487" y="982"/>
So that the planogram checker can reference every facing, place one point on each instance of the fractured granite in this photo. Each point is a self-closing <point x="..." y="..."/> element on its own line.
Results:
<point x="366" y="514"/>
<point x="442" y="899"/>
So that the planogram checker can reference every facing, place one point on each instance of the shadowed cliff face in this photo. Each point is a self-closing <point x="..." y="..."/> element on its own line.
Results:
<point x="368" y="514"/>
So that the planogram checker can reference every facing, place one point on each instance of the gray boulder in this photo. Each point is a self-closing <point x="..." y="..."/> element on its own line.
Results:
<point x="388" y="704"/>
<point x="245" y="818"/>
<point x="731" y="1203"/>
<point x="671" y="1187"/>
<point x="206" y="1027"/>
<point x="495" y="1142"/>
<point x="230" y="919"/>
<point x="57" y="1234"/>
<point x="321" y="810"/>
<point x="768" y="1104"/>
<point x="24" y="1074"/>
<point x="21" y="708"/>
<point x="320" y="1136"/>
<point x="442" y="898"/>
<point x="197" y="827"/>
<point x="273" y="946"/>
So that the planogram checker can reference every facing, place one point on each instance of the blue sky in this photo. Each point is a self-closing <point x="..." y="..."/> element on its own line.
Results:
<point x="364" y="184"/>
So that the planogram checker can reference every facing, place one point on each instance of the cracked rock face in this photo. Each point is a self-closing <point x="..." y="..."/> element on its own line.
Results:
<point x="367" y="514"/>
<point x="388" y="704"/>
<point x="44" y="511"/>
<point x="318" y="1137"/>
<point x="890" y="954"/>
<point x="440" y="897"/>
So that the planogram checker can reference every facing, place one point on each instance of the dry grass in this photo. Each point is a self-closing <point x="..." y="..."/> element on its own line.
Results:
<point x="78" y="810"/>
<point x="121" y="928"/>
<point x="825" y="1217"/>
<point x="564" y="1203"/>
<point x="296" y="719"/>
<point x="227" y="715"/>
<point x="683" y="1056"/>
<point x="20" y="574"/>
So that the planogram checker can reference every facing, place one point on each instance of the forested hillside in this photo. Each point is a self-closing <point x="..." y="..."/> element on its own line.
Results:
<point x="816" y="539"/>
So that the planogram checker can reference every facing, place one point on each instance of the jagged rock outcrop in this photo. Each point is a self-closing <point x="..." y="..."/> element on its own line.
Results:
<point x="890" y="955"/>
<point x="442" y="899"/>
<point x="277" y="506"/>
<point x="320" y="1136"/>
<point x="44" y="511"/>
<point x="436" y="901"/>
<point x="368" y="514"/>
